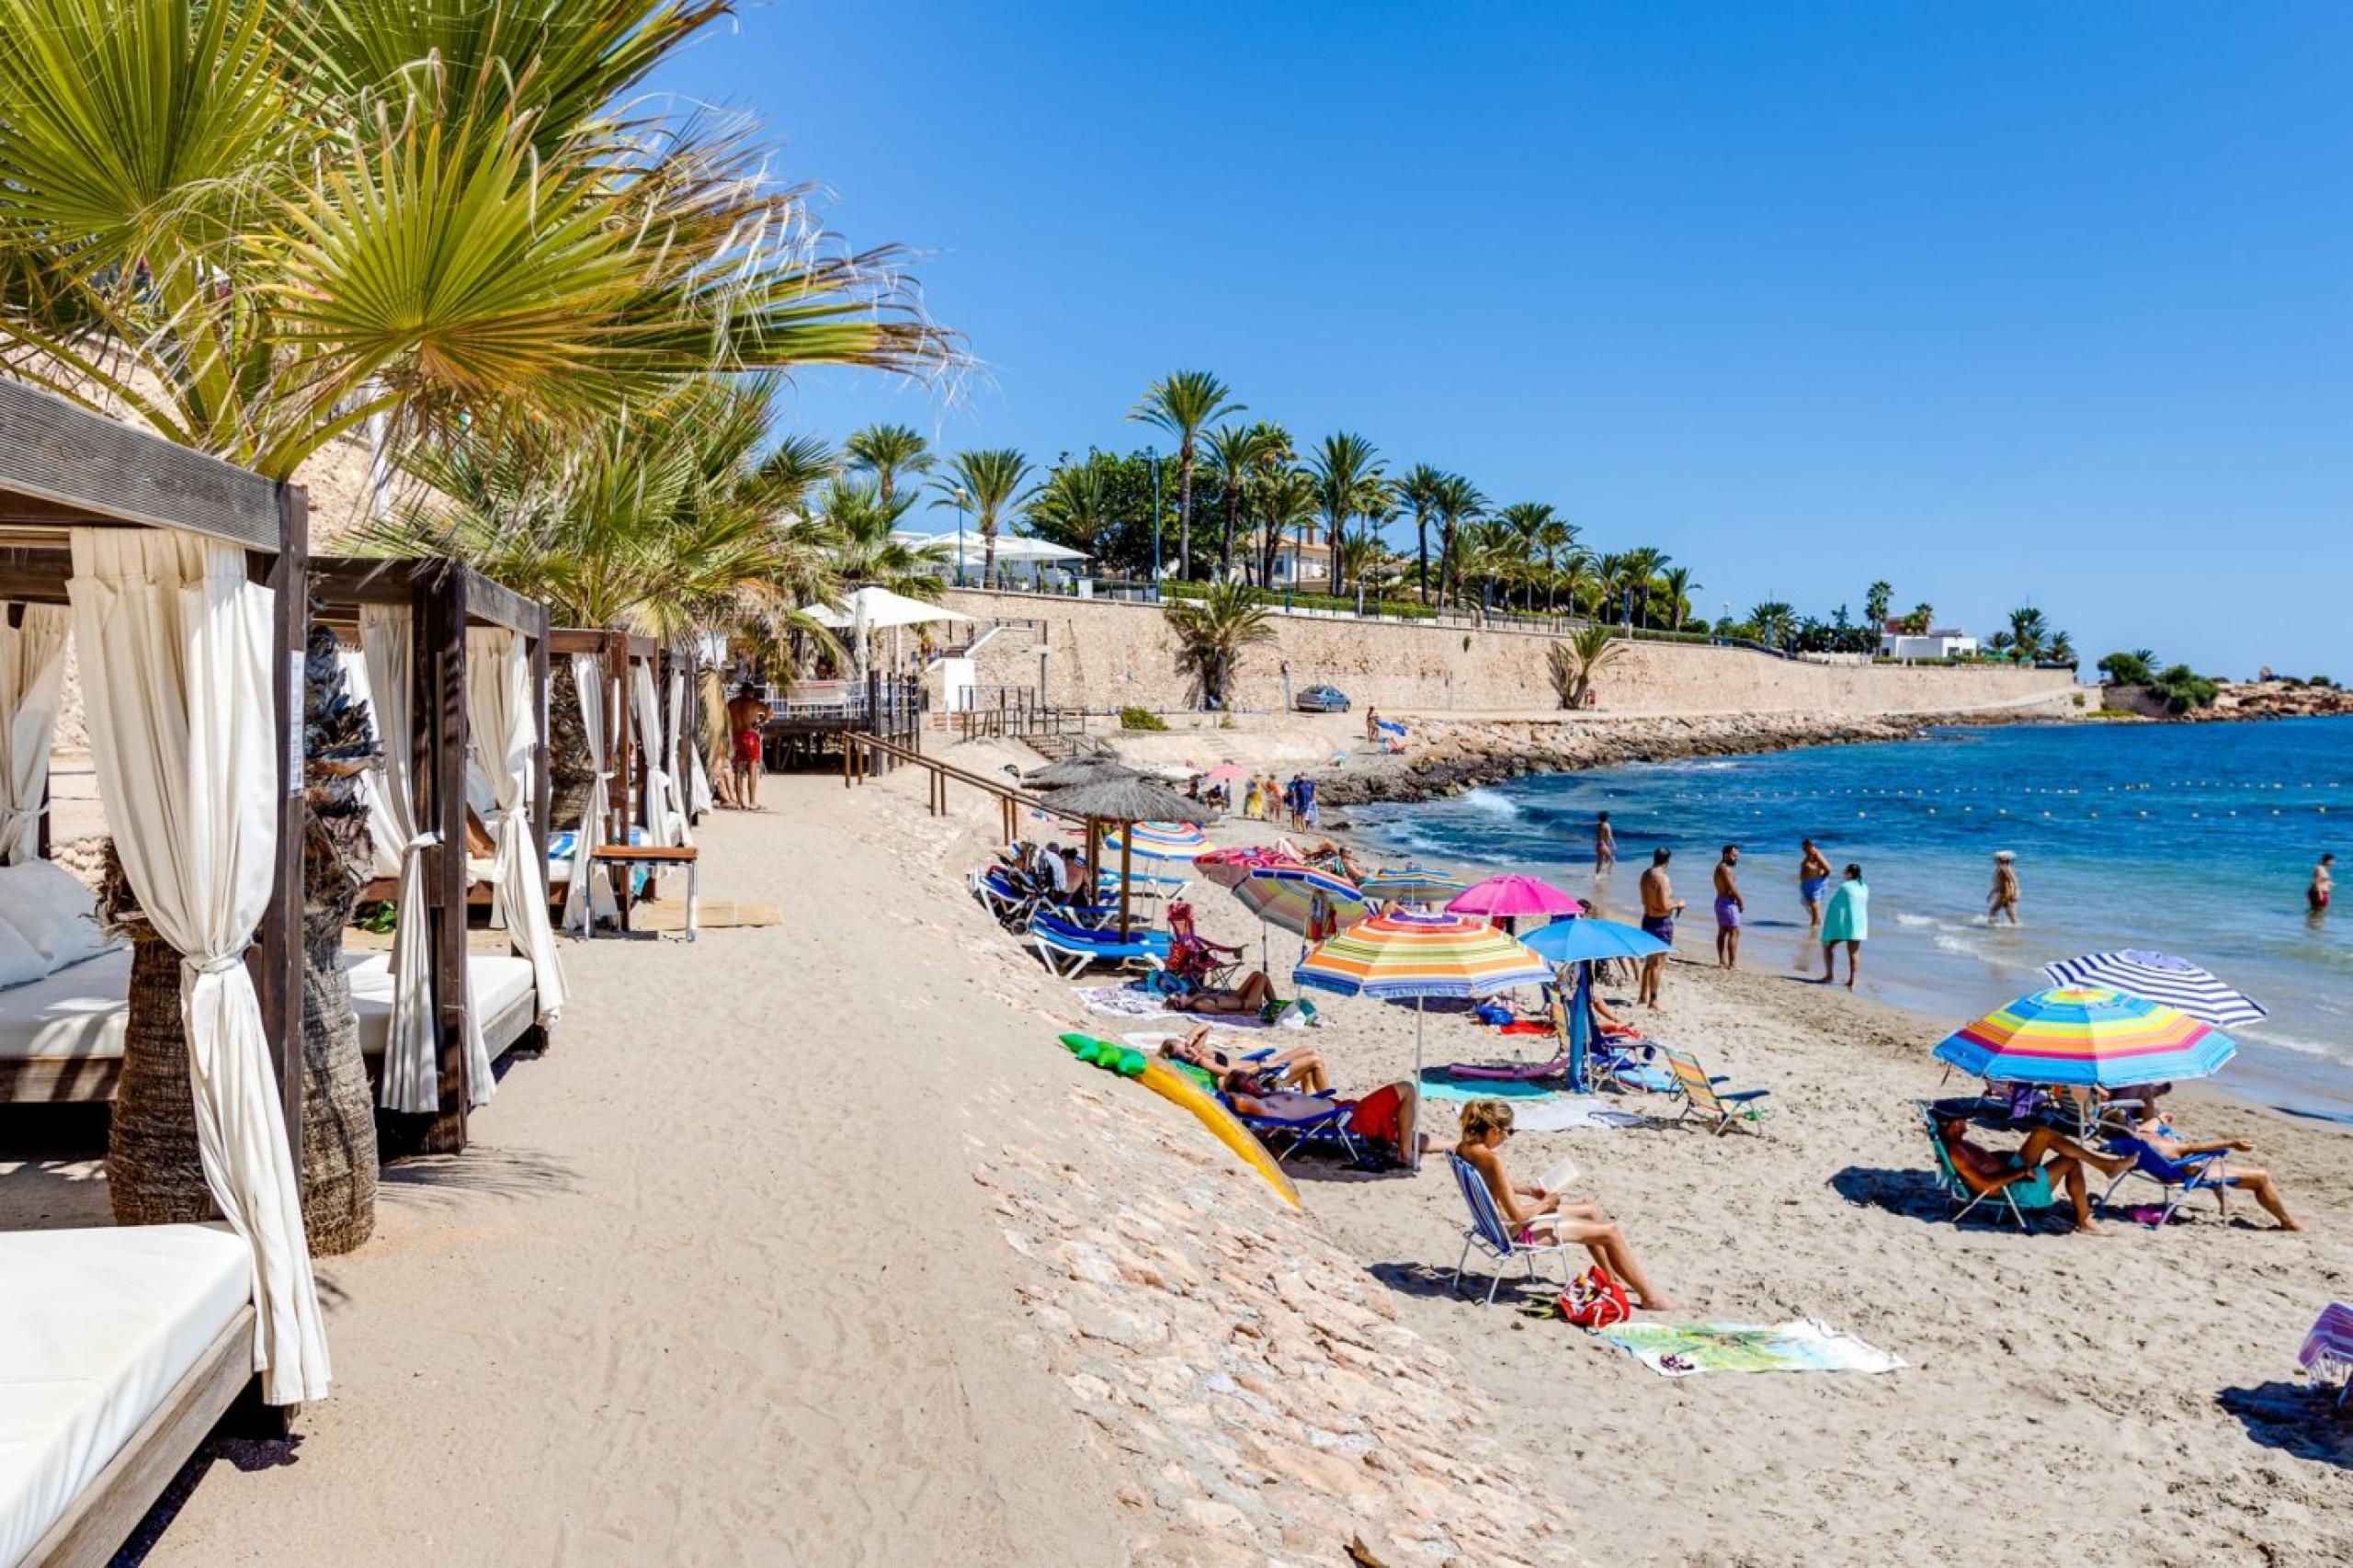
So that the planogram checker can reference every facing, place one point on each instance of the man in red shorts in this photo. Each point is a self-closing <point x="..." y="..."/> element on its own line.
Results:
<point x="746" y="716"/>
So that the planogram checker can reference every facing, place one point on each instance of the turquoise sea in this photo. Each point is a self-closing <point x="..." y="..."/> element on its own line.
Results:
<point x="2195" y="839"/>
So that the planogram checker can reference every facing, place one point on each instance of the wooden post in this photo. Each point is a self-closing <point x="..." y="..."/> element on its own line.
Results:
<point x="1127" y="844"/>
<point x="440" y="628"/>
<point x="279" y="953"/>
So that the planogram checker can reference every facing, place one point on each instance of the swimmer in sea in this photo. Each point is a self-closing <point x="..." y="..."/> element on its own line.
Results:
<point x="2003" y="899"/>
<point x="2323" y="884"/>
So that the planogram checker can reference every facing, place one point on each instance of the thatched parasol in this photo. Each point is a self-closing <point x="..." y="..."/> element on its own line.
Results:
<point x="1079" y="770"/>
<point x="1125" y="800"/>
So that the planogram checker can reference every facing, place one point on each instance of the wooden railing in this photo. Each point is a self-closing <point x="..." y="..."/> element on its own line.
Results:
<point x="1015" y="714"/>
<point x="864" y="756"/>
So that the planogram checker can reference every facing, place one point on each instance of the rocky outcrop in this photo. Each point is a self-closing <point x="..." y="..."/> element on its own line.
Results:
<point x="1448" y="756"/>
<point x="2276" y="700"/>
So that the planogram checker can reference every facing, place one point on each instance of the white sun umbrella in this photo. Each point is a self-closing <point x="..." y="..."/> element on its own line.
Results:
<point x="2161" y="977"/>
<point x="874" y="609"/>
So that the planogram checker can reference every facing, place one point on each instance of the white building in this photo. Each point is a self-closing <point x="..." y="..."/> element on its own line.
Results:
<point x="1943" y="645"/>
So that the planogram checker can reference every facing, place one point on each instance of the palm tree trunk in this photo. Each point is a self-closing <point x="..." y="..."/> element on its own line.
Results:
<point x="988" y="550"/>
<point x="1422" y="550"/>
<point x="1225" y="546"/>
<point x="338" y="1114"/>
<point x="1185" y="511"/>
<point x="154" y="1176"/>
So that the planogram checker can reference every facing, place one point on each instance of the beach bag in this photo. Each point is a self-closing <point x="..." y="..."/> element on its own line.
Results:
<point x="1596" y="1299"/>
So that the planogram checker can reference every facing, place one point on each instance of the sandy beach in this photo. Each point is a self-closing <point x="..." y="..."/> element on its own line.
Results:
<point x="808" y="1244"/>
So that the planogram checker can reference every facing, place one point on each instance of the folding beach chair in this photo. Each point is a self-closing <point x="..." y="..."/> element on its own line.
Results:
<point x="1492" y="1234"/>
<point x="2033" y="1191"/>
<point x="1700" y="1094"/>
<point x="1069" y="950"/>
<point x="2176" y="1180"/>
<point x="2328" y="1350"/>
<point x="1328" y="1128"/>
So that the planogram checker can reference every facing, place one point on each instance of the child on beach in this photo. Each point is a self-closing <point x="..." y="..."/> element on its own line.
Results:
<point x="1486" y="1127"/>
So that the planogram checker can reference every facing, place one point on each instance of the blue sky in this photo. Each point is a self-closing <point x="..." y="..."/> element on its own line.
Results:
<point x="2001" y="300"/>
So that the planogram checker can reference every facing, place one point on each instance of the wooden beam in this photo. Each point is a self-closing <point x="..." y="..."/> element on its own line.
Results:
<point x="279" y="954"/>
<point x="441" y="710"/>
<point x="495" y="604"/>
<point x="72" y="466"/>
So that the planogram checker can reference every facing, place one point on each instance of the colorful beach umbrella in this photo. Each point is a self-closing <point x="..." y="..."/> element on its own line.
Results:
<point x="1227" y="867"/>
<point x="2161" y="977"/>
<point x="2082" y="1036"/>
<point x="1513" y="895"/>
<point x="1411" y="884"/>
<point x="1590" y="940"/>
<point x="1410" y="956"/>
<point x="1159" y="840"/>
<point x="1229" y="773"/>
<point x="1288" y="896"/>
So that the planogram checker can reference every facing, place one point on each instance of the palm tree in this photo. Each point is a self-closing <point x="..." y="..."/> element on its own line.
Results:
<point x="887" y="451"/>
<point x="1574" y="663"/>
<point x="2062" y="650"/>
<point x="1461" y="503"/>
<point x="1528" y="519"/>
<point x="1774" y="621"/>
<point x="1183" y="402"/>
<point x="2027" y="630"/>
<point x="1286" y="511"/>
<point x="1215" y="631"/>
<point x="1422" y="489"/>
<point x="853" y="539"/>
<point x="1676" y="583"/>
<point x="1074" y="507"/>
<point x="1236" y="452"/>
<point x="2001" y="644"/>
<point x="1377" y="507"/>
<point x="1344" y="466"/>
<point x="1921" y="620"/>
<point x="1876" y="600"/>
<point x="992" y="482"/>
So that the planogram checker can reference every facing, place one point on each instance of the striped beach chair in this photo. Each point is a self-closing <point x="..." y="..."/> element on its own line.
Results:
<point x="2327" y="1354"/>
<point x="1492" y="1233"/>
<point x="1702" y="1098"/>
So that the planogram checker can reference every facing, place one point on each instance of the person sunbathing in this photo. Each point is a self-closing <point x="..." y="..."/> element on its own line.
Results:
<point x="1609" y="1022"/>
<point x="1250" y="996"/>
<point x="2158" y="1133"/>
<point x="1301" y="1067"/>
<point x="1531" y="1212"/>
<point x="1389" y="1117"/>
<point x="2044" y="1156"/>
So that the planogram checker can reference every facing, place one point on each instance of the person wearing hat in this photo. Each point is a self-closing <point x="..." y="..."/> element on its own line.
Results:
<point x="2005" y="897"/>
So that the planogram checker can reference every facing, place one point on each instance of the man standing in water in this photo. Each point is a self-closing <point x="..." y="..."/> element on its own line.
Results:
<point x="2323" y="884"/>
<point x="2003" y="899"/>
<point x="1728" y="908"/>
<point x="746" y="716"/>
<point x="1605" y="846"/>
<point x="1660" y="906"/>
<point x="1814" y="879"/>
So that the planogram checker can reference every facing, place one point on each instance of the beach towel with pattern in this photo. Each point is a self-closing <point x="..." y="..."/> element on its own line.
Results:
<point x="1801" y="1344"/>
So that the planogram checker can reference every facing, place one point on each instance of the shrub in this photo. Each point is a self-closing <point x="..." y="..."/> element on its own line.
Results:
<point x="2182" y="688"/>
<point x="1134" y="718"/>
<point x="2127" y="669"/>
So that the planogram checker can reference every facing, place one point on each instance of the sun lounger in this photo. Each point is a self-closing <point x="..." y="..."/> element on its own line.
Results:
<point x="1069" y="949"/>
<point x="2033" y="1191"/>
<point x="120" y="1350"/>
<point x="2176" y="1180"/>
<point x="1702" y="1098"/>
<point x="1003" y="894"/>
<point x="1328" y="1128"/>
<point x="1492" y="1234"/>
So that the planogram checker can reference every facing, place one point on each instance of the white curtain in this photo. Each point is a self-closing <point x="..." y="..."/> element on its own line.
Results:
<point x="504" y="729"/>
<point x="32" y="659"/>
<point x="411" y="1079"/>
<point x="665" y="814"/>
<point x="697" y="783"/>
<point x="581" y="901"/>
<point x="178" y="664"/>
<point x="384" y="837"/>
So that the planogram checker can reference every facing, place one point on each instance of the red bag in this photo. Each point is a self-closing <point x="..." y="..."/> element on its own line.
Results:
<point x="1594" y="1300"/>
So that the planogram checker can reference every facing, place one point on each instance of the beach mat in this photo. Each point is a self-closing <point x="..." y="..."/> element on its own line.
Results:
<point x="711" y="913"/>
<point x="1801" y="1344"/>
<point x="1136" y="1001"/>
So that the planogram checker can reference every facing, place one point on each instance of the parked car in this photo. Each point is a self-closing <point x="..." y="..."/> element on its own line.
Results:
<point x="1323" y="699"/>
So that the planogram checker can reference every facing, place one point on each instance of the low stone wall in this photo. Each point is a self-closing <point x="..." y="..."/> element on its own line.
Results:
<point x="1109" y="655"/>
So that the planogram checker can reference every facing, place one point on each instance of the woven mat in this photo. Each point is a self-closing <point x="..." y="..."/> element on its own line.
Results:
<point x="711" y="914"/>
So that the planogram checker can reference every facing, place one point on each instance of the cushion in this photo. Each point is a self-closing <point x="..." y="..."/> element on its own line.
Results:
<point x="50" y="908"/>
<point x="21" y="962"/>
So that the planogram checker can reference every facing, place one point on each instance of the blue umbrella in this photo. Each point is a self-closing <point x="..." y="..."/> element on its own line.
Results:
<point x="2161" y="977"/>
<point x="1587" y="940"/>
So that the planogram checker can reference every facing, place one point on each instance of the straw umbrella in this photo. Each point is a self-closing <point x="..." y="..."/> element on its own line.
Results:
<point x="1127" y="802"/>
<point x="1079" y="770"/>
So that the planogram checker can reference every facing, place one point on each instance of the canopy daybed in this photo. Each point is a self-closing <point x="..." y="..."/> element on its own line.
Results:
<point x="452" y="664"/>
<point x="185" y="579"/>
<point x="634" y="795"/>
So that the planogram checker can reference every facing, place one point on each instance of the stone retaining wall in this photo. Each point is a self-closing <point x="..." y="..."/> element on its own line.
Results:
<point x="1109" y="655"/>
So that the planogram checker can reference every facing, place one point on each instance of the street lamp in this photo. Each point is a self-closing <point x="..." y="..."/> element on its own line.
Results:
<point x="959" y="536"/>
<point x="1043" y="652"/>
<point x="1152" y="460"/>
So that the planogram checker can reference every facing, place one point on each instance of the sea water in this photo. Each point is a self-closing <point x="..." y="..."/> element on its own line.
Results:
<point x="2193" y="839"/>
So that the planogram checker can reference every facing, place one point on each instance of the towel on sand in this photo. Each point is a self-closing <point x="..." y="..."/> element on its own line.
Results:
<point x="1801" y="1344"/>
<point x="1136" y="1001"/>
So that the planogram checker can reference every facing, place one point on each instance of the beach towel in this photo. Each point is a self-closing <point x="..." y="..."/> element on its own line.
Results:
<point x="1801" y="1344"/>
<point x="1436" y="1086"/>
<point x="1573" y="1113"/>
<point x="1136" y="1001"/>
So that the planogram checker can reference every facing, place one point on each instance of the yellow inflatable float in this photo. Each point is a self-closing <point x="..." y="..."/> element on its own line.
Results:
<point x="1174" y="1085"/>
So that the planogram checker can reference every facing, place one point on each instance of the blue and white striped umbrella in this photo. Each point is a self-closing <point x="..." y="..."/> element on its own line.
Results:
<point x="2161" y="977"/>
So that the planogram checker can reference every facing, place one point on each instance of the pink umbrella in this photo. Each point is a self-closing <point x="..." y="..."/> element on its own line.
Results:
<point x="1226" y="773"/>
<point x="1513" y="896"/>
<point x="1226" y="868"/>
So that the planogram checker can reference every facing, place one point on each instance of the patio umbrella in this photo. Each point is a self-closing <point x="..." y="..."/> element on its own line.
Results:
<point x="1079" y="770"/>
<point x="1585" y="942"/>
<point x="1163" y="840"/>
<point x="1299" y="899"/>
<point x="2082" y="1037"/>
<point x="1227" y="867"/>
<point x="1513" y="896"/>
<point x="1229" y="773"/>
<point x="1411" y="884"/>
<point x="2161" y="977"/>
<point x="1128" y="802"/>
<point x="1412" y="956"/>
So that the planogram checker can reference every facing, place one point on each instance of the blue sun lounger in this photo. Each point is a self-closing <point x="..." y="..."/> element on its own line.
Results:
<point x="1070" y="950"/>
<point x="1327" y="1126"/>
<point x="2177" y="1180"/>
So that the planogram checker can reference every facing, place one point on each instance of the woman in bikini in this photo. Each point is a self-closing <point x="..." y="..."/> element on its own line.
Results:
<point x="1532" y="1210"/>
<point x="1301" y="1067"/>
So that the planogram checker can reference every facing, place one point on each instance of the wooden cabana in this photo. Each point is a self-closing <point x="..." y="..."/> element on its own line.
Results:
<point x="186" y="582"/>
<point x="605" y="666"/>
<point x="438" y="608"/>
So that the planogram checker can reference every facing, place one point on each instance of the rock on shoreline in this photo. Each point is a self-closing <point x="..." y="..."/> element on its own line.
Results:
<point x="1448" y="756"/>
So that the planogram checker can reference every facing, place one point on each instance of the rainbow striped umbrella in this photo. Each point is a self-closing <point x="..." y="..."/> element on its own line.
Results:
<point x="1160" y="840"/>
<point x="1226" y="868"/>
<point x="1410" y="956"/>
<point x="1413" y="884"/>
<point x="1288" y="896"/>
<point x="2087" y="1036"/>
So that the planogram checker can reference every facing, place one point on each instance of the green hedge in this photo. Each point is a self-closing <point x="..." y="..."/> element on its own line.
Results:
<point x="1401" y="610"/>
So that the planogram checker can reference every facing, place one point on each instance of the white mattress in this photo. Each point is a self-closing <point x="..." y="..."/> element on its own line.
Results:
<point x="96" y="1328"/>
<point x="78" y="1014"/>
